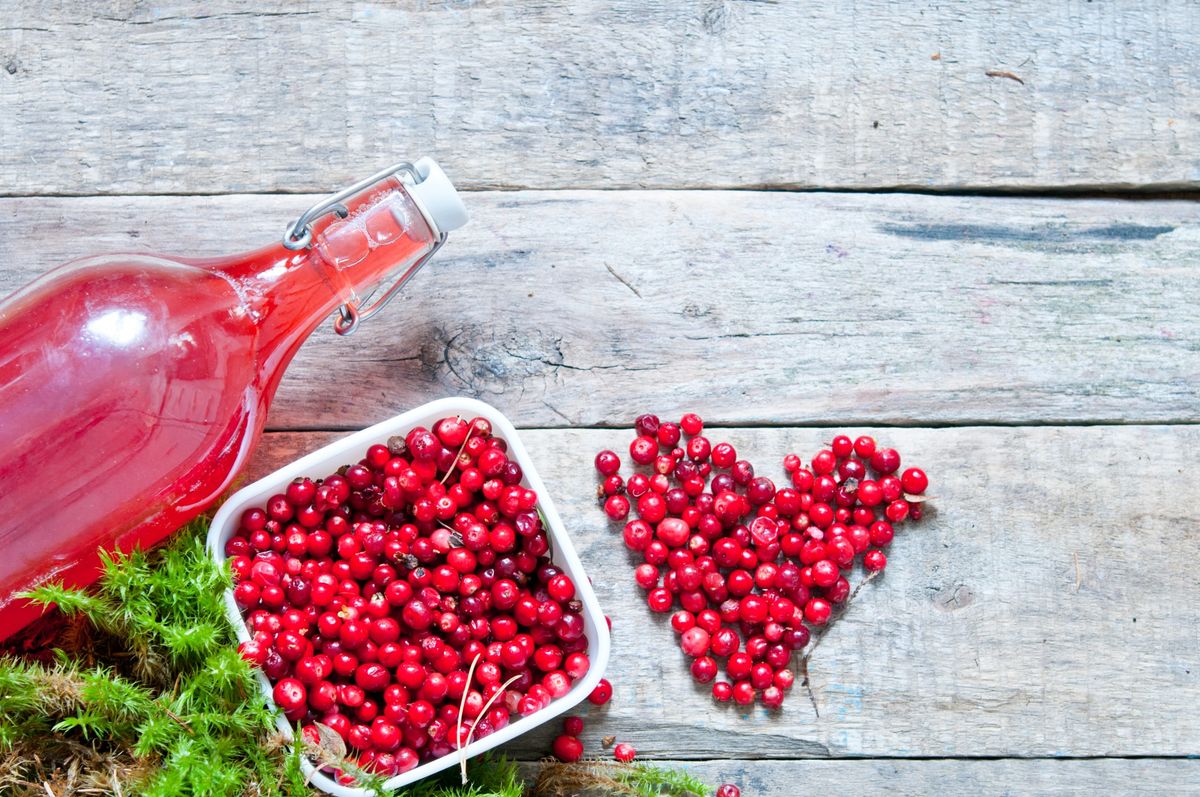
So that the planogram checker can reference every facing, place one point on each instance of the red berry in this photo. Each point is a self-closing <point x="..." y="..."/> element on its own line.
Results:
<point x="728" y="790"/>
<point x="602" y="693"/>
<point x="624" y="752"/>
<point x="385" y="735"/>
<point x="291" y="696"/>
<point x="573" y="726"/>
<point x="704" y="669"/>
<point x="617" y="507"/>
<point x="568" y="749"/>
<point x="817" y="611"/>
<point x="914" y="481"/>
<point x="874" y="560"/>
<point x="607" y="462"/>
<point x="691" y="424"/>
<point x="723" y="455"/>
<point x="646" y="576"/>
<point x="841" y="446"/>
<point x="643" y="449"/>
<point x="668" y="434"/>
<point x="897" y="510"/>
<point x="825" y="573"/>
<point x="885" y="461"/>
<point x="823" y="463"/>
<point x="694" y="642"/>
<point x="659" y="600"/>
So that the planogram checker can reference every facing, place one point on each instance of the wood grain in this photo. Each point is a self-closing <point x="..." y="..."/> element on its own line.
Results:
<point x="1048" y="606"/>
<point x="122" y="96"/>
<point x="584" y="308"/>
<point x="899" y="778"/>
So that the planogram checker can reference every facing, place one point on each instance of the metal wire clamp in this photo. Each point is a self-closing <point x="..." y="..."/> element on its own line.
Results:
<point x="299" y="236"/>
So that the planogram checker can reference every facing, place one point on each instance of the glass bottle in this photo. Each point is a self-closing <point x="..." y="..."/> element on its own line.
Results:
<point x="134" y="387"/>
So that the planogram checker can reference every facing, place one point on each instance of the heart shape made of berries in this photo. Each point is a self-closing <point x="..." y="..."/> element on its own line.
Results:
<point x="753" y="569"/>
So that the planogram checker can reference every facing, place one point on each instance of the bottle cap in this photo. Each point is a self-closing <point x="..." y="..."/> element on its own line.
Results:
<point x="436" y="197"/>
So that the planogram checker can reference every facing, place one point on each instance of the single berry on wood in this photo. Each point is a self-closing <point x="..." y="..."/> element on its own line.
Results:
<point x="602" y="693"/>
<point x="568" y="749"/>
<point x="624" y="752"/>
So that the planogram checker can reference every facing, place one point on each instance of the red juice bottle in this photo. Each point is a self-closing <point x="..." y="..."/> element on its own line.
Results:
<point x="133" y="387"/>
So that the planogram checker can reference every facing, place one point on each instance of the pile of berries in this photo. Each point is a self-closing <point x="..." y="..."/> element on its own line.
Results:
<point x="408" y="601"/>
<point x="752" y="567"/>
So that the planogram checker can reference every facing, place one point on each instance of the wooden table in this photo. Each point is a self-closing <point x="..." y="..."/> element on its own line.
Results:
<point x="947" y="224"/>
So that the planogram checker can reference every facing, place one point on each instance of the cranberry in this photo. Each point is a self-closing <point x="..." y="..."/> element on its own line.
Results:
<point x="881" y="533"/>
<point x="608" y="463"/>
<point x="722" y="691"/>
<point x="573" y="726"/>
<point x="668" y="434"/>
<point x="723" y="455"/>
<point x="885" y="461"/>
<point x="567" y="749"/>
<point x="691" y="424"/>
<point x="823" y="463"/>
<point x="695" y="642"/>
<point x="624" y="752"/>
<point x="817" y="611"/>
<point x="643" y="449"/>
<point x="602" y="693"/>
<point x="897" y="510"/>
<point x="659" y="600"/>
<point x="291" y="696"/>
<point x="874" y="560"/>
<point x="743" y="693"/>
<point x="914" y="481"/>
<point x="704" y="669"/>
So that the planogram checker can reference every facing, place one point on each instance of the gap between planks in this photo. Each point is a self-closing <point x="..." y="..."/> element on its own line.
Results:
<point x="1131" y="193"/>
<point x="522" y="759"/>
<point x="829" y="424"/>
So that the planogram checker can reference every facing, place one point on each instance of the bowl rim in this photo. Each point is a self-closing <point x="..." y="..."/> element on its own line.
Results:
<point x="317" y="464"/>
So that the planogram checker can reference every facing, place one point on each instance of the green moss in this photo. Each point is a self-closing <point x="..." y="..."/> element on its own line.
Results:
<point x="155" y="700"/>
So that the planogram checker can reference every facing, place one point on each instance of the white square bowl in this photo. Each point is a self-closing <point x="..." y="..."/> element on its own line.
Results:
<point x="351" y="449"/>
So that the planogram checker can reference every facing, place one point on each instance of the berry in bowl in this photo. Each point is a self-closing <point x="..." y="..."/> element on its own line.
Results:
<point x="411" y="591"/>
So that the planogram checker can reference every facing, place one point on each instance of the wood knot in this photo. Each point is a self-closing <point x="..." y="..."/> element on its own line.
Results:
<point x="952" y="598"/>
<point x="492" y="361"/>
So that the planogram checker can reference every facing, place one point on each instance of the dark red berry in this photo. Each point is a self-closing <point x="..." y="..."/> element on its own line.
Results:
<point x="568" y="749"/>
<point x="608" y="463"/>
<point x="602" y="693"/>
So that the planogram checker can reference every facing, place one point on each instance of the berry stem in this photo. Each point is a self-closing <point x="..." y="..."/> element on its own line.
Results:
<point x="449" y="470"/>
<point x="462" y="707"/>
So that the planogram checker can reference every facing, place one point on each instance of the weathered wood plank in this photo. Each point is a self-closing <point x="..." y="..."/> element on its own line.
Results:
<point x="129" y="97"/>
<point x="1048" y="607"/>
<point x="896" y="778"/>
<point x="584" y="308"/>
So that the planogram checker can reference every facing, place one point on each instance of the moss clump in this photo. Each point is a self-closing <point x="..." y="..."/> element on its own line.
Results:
<point x="147" y="695"/>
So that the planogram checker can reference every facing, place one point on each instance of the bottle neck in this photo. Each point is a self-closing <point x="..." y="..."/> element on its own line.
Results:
<point x="288" y="293"/>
